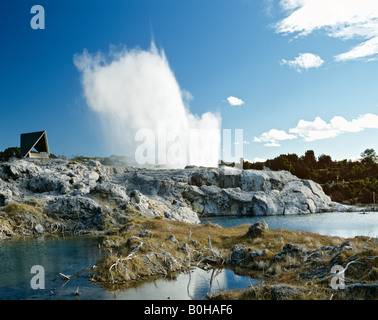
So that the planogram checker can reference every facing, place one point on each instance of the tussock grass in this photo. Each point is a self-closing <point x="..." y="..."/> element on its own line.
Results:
<point x="305" y="277"/>
<point x="19" y="218"/>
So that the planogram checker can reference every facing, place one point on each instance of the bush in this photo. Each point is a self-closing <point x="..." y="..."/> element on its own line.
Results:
<point x="345" y="180"/>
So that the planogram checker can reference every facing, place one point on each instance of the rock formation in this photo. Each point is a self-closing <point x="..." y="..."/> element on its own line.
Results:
<point x="79" y="197"/>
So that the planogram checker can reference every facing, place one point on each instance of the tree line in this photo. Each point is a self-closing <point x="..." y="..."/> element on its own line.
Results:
<point x="344" y="181"/>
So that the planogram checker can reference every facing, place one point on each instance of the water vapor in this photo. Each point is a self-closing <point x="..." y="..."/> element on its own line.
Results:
<point x="143" y="110"/>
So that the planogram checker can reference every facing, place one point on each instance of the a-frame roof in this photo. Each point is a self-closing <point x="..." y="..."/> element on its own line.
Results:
<point x="34" y="140"/>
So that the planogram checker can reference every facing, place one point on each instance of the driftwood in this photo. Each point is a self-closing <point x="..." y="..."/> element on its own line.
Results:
<point x="184" y="246"/>
<point x="365" y="285"/>
<point x="155" y="264"/>
<point x="213" y="251"/>
<point x="67" y="278"/>
<point x="343" y="271"/>
<point x="120" y="260"/>
<point x="76" y="293"/>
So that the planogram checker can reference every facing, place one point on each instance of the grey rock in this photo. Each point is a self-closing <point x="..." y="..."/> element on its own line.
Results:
<point x="111" y="191"/>
<point x="257" y="229"/>
<point x="242" y="255"/>
<point x="144" y="233"/>
<point x="39" y="229"/>
<point x="238" y="254"/>
<point x="284" y="292"/>
<point x="5" y="194"/>
<point x="172" y="238"/>
<point x="346" y="243"/>
<point x="258" y="253"/>
<point x="267" y="204"/>
<point x="293" y="250"/>
<point x="95" y="196"/>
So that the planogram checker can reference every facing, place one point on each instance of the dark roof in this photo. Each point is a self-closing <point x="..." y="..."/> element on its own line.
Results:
<point x="34" y="140"/>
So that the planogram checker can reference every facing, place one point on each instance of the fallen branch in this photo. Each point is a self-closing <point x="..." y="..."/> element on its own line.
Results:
<point x="155" y="264"/>
<point x="183" y="247"/>
<point x="365" y="285"/>
<point x="65" y="277"/>
<point x="216" y="253"/>
<point x="115" y="265"/>
<point x="205" y="259"/>
<point x="119" y="262"/>
<point x="168" y="259"/>
<point x="366" y="242"/>
<point x="343" y="271"/>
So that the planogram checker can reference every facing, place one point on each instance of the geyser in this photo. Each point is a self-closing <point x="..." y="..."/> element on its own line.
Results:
<point x="143" y="110"/>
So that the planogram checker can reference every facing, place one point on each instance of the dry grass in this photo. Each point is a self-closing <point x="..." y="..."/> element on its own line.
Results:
<point x="20" y="218"/>
<point x="294" y="271"/>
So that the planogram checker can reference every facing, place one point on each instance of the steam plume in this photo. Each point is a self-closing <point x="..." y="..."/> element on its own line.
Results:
<point x="144" y="111"/>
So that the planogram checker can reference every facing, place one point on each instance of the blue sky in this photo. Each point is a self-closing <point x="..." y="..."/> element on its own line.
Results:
<point x="305" y="78"/>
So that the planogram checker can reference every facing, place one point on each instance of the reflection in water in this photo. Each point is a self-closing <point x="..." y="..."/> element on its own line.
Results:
<point x="71" y="255"/>
<point x="194" y="285"/>
<point x="55" y="255"/>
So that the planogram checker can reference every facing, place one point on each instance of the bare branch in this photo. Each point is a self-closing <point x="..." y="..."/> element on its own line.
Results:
<point x="67" y="278"/>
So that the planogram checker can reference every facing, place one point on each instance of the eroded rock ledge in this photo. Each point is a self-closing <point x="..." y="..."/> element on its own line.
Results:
<point x="67" y="196"/>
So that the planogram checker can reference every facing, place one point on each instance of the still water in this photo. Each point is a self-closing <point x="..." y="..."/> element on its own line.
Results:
<point x="341" y="224"/>
<point x="71" y="255"/>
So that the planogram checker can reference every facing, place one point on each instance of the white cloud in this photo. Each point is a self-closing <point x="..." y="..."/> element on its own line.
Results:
<point x="273" y="136"/>
<point x="291" y="4"/>
<point x="343" y="19"/>
<point x="365" y="49"/>
<point x="315" y="130"/>
<point x="235" y="101"/>
<point x="319" y="129"/>
<point x="304" y="61"/>
<point x="259" y="160"/>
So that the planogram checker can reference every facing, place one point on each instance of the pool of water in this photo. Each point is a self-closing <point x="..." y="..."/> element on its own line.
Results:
<point x="342" y="224"/>
<point x="55" y="255"/>
<point x="71" y="255"/>
<point x="191" y="285"/>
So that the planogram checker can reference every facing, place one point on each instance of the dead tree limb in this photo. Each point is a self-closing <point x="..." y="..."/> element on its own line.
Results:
<point x="120" y="260"/>
<point x="216" y="253"/>
<point x="67" y="278"/>
<point x="184" y="246"/>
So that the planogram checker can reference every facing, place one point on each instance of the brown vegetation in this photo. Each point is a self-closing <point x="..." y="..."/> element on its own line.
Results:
<point x="147" y="248"/>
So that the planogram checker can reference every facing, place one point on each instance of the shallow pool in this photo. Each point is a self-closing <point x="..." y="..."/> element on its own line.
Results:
<point x="342" y="224"/>
<point x="71" y="255"/>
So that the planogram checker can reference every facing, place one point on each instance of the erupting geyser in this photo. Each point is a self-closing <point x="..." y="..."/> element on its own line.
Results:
<point x="143" y="110"/>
